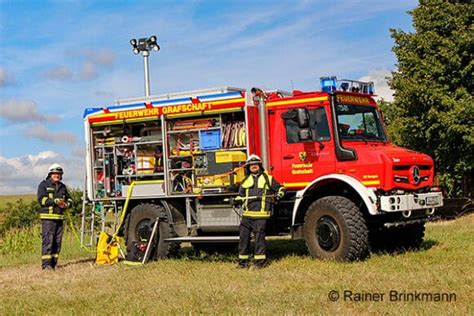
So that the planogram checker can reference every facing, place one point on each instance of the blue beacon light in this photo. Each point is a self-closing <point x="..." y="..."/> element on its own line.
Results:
<point x="328" y="84"/>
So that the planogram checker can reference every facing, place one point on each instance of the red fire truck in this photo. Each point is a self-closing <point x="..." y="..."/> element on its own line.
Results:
<point x="177" y="160"/>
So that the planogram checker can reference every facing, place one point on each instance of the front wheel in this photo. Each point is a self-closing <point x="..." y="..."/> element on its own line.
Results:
<point x="335" y="229"/>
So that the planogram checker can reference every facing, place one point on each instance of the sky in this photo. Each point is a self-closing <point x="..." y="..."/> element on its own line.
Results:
<point x="59" y="57"/>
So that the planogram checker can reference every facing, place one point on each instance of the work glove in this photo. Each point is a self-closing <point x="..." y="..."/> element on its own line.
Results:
<point x="279" y="196"/>
<point x="60" y="203"/>
<point x="237" y="201"/>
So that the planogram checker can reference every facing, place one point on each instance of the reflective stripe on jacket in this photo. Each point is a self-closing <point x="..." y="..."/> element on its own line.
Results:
<point x="48" y="194"/>
<point x="256" y="191"/>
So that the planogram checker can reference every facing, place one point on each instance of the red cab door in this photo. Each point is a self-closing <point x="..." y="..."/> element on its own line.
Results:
<point x="296" y="163"/>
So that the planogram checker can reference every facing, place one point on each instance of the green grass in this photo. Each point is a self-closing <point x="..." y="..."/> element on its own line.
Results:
<point x="293" y="283"/>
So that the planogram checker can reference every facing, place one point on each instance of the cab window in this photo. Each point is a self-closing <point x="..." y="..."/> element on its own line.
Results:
<point x="318" y="124"/>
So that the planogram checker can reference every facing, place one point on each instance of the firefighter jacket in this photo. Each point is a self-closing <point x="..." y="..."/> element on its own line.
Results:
<point x="258" y="192"/>
<point x="50" y="196"/>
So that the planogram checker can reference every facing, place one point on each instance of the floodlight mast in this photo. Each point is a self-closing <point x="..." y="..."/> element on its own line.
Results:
<point x="144" y="45"/>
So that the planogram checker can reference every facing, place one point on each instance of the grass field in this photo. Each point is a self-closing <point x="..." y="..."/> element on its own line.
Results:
<point x="293" y="283"/>
<point x="4" y="199"/>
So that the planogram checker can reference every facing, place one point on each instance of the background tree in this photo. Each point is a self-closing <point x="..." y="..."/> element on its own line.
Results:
<point x="433" y="110"/>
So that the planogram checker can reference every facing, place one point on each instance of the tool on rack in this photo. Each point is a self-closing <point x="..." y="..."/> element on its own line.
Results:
<point x="234" y="135"/>
<point x="193" y="124"/>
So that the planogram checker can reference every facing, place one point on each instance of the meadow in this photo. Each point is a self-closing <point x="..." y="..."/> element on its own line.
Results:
<point x="194" y="283"/>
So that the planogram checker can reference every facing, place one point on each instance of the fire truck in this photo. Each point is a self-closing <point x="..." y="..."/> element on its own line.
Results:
<point x="176" y="160"/>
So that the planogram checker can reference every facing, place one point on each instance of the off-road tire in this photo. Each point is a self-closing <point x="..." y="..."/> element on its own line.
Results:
<point x="140" y="226"/>
<point x="346" y="220"/>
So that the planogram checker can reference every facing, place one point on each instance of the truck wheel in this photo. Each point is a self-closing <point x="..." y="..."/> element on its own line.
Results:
<point x="140" y="227"/>
<point x="335" y="229"/>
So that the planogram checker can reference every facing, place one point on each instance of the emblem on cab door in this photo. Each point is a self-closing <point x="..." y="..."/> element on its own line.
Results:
<point x="302" y="155"/>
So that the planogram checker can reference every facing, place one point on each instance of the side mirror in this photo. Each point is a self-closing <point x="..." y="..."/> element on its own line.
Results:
<point x="305" y="134"/>
<point x="302" y="117"/>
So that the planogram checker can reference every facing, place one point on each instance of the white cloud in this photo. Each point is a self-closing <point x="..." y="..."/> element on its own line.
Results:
<point x="88" y="71"/>
<point x="42" y="133"/>
<point x="379" y="77"/>
<point x="22" y="174"/>
<point x="60" y="73"/>
<point x="7" y="78"/>
<point x="24" y="111"/>
<point x="93" y="60"/>
<point x="103" y="57"/>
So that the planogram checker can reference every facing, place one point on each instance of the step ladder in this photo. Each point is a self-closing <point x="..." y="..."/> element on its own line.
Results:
<point x="96" y="217"/>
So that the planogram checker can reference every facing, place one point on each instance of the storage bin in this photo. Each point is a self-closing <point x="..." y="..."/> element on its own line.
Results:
<point x="210" y="139"/>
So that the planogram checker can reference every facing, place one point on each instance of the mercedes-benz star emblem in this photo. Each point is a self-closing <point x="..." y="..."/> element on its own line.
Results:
<point x="415" y="173"/>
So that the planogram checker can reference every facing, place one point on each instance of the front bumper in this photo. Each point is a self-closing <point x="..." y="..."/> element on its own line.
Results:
<point x="411" y="202"/>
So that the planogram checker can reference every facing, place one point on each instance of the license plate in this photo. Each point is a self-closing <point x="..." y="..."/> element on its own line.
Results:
<point x="432" y="200"/>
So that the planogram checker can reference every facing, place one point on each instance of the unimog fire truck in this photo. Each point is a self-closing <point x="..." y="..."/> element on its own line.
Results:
<point x="178" y="159"/>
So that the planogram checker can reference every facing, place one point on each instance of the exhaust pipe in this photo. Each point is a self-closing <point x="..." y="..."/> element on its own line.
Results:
<point x="262" y="115"/>
<point x="430" y="211"/>
<point x="406" y="214"/>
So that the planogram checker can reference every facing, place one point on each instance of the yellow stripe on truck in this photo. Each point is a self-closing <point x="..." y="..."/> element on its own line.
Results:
<point x="308" y="100"/>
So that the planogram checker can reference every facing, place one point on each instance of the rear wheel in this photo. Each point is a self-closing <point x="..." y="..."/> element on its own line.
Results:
<point x="140" y="227"/>
<point x="335" y="229"/>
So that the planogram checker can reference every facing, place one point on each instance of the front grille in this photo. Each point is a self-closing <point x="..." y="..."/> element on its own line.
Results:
<point x="402" y="174"/>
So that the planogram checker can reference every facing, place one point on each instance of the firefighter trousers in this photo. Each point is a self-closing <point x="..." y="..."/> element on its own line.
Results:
<point x="247" y="226"/>
<point x="51" y="235"/>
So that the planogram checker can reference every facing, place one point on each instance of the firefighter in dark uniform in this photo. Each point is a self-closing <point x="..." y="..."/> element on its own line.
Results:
<point x="257" y="194"/>
<point x="54" y="199"/>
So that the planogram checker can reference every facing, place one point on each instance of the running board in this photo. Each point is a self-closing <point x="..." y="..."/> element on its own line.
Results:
<point x="203" y="239"/>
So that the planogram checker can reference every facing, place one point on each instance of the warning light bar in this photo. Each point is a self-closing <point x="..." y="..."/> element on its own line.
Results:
<point x="329" y="84"/>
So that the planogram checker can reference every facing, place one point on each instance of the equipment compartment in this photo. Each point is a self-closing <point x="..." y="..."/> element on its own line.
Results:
<point x="206" y="154"/>
<point x="126" y="152"/>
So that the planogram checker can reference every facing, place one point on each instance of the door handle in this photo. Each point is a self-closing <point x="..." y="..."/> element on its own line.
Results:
<point x="288" y="157"/>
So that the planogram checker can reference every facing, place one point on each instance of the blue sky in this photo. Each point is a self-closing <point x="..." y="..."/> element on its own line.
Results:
<point x="59" y="57"/>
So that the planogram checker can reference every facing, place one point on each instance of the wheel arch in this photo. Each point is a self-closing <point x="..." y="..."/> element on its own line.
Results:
<point x="333" y="184"/>
<point x="171" y="211"/>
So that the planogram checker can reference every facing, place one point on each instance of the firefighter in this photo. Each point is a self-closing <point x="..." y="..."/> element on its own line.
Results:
<point x="54" y="200"/>
<point x="257" y="193"/>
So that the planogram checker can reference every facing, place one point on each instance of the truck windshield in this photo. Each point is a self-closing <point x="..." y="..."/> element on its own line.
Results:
<point x="359" y="122"/>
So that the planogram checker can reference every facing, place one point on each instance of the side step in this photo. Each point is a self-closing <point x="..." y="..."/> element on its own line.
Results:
<point x="203" y="239"/>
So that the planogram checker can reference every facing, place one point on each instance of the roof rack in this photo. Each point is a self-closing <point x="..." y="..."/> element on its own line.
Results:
<point x="186" y="94"/>
<point x="329" y="84"/>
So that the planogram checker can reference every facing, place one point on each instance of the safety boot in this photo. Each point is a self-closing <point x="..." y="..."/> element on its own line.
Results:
<point x="243" y="264"/>
<point x="260" y="264"/>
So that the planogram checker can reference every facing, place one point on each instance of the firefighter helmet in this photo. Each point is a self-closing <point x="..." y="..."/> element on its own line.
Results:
<point x="55" y="168"/>
<point x="253" y="159"/>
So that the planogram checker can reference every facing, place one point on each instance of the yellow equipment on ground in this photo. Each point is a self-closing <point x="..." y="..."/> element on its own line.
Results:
<point x="107" y="249"/>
